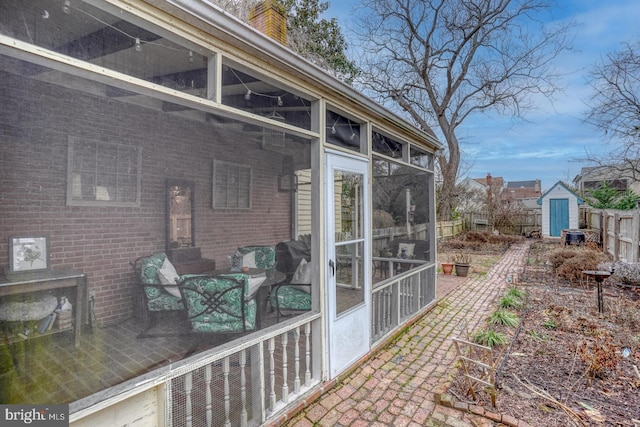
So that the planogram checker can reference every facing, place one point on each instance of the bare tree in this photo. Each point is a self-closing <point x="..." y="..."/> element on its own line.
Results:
<point x="614" y="108"/>
<point x="442" y="61"/>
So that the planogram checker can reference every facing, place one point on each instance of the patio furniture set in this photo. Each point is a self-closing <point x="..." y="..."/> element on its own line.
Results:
<point x="229" y="300"/>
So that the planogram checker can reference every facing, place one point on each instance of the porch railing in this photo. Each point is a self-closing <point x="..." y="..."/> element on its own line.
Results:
<point x="251" y="380"/>
<point x="244" y="382"/>
<point x="401" y="297"/>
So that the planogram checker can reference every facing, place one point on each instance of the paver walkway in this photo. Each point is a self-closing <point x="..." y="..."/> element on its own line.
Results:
<point x="399" y="385"/>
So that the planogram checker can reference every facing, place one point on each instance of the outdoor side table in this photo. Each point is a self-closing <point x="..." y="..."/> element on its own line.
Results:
<point x="75" y="281"/>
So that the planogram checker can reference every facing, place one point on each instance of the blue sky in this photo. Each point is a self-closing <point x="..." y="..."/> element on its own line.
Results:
<point x="548" y="144"/>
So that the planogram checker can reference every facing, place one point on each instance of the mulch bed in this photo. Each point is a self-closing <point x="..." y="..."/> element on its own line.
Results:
<point x="567" y="364"/>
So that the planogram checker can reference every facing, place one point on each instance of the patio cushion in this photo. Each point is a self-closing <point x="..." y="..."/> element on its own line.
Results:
<point x="302" y="274"/>
<point x="168" y="275"/>
<point x="265" y="256"/>
<point x="292" y="298"/>
<point x="157" y="298"/>
<point x="149" y="268"/>
<point x="405" y="250"/>
<point x="228" y="318"/>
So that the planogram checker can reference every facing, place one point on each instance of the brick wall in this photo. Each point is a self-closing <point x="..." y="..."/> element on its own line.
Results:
<point x="36" y="121"/>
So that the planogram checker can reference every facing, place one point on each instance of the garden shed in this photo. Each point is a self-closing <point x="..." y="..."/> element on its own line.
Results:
<point x="559" y="210"/>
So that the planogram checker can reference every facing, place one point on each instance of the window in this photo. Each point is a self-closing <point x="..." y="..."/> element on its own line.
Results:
<point x="231" y="185"/>
<point x="103" y="174"/>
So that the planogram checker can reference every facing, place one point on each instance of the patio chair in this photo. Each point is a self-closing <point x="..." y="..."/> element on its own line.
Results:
<point x="262" y="257"/>
<point x="294" y="294"/>
<point x="409" y="249"/>
<point x="219" y="304"/>
<point x="153" y="297"/>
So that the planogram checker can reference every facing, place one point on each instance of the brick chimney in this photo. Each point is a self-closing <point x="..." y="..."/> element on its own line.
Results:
<point x="269" y="17"/>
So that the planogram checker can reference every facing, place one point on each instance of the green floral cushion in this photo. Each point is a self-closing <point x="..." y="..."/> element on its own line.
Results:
<point x="149" y="268"/>
<point x="291" y="298"/>
<point x="161" y="300"/>
<point x="265" y="256"/>
<point x="157" y="298"/>
<point x="221" y="310"/>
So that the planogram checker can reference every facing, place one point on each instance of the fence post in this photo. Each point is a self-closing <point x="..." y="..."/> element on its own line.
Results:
<point x="604" y="231"/>
<point x="635" y="238"/>
<point x="616" y="237"/>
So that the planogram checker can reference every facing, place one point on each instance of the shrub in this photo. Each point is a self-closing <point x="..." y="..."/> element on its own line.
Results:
<point x="627" y="272"/>
<point x="558" y="257"/>
<point x="570" y="263"/>
<point x="600" y="357"/>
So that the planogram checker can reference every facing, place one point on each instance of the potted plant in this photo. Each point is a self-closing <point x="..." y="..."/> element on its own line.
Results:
<point x="447" y="268"/>
<point x="462" y="263"/>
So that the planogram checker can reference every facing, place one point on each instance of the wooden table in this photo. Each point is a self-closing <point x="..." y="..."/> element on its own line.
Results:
<point x="49" y="280"/>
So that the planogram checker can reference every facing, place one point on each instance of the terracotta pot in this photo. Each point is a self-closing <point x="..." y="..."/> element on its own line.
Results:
<point x="447" y="268"/>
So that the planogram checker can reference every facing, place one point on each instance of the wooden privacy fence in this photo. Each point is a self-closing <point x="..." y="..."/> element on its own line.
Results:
<point x="619" y="232"/>
<point x="449" y="229"/>
<point x="516" y="223"/>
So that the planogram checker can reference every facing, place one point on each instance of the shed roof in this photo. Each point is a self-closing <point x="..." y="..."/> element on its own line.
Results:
<point x="565" y="187"/>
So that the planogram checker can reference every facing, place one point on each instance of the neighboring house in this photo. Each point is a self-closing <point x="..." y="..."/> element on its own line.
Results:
<point x="525" y="192"/>
<point x="141" y="127"/>
<point x="493" y="183"/>
<point x="590" y="178"/>
<point x="521" y="191"/>
<point x="475" y="195"/>
<point x="559" y="210"/>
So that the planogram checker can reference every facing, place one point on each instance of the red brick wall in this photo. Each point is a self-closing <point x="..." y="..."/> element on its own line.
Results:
<point x="36" y="121"/>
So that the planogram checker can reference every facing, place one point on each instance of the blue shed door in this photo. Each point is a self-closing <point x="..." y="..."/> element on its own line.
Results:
<point x="558" y="216"/>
